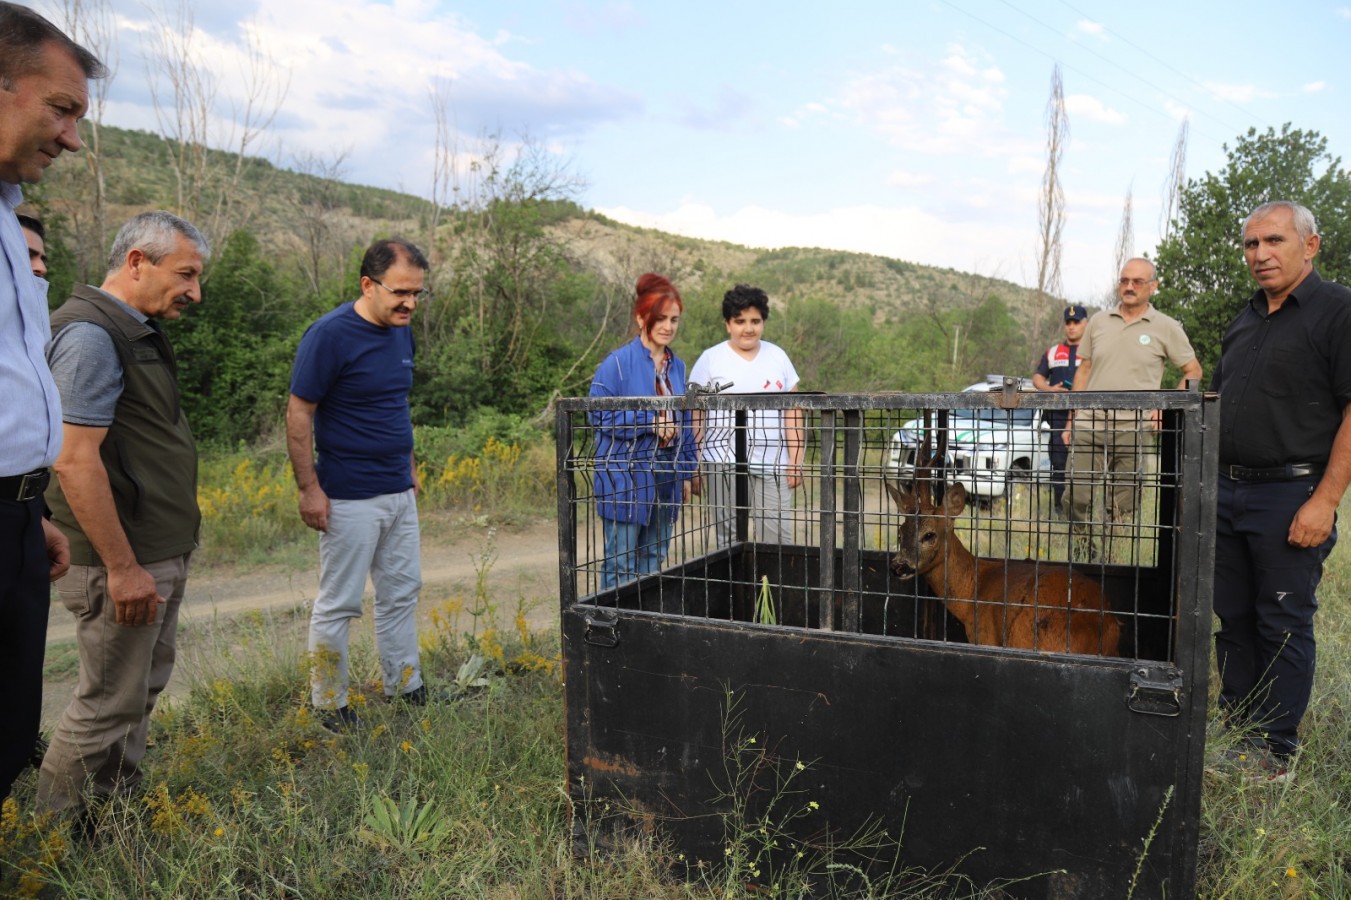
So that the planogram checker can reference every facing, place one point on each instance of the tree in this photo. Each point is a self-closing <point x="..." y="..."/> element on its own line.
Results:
<point x="1177" y="180"/>
<point x="1203" y="279"/>
<point x="91" y="24"/>
<point x="1125" y="242"/>
<point x="187" y="101"/>
<point x="1050" y="207"/>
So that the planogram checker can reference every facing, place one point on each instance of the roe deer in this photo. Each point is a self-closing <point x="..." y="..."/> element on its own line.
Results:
<point x="1000" y="602"/>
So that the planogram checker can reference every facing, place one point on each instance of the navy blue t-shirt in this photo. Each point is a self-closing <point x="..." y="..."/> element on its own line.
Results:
<point x="360" y="375"/>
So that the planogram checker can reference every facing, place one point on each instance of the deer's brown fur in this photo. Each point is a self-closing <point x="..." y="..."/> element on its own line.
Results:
<point x="1000" y="602"/>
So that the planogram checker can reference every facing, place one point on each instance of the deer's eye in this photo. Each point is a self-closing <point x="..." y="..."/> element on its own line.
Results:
<point x="929" y="537"/>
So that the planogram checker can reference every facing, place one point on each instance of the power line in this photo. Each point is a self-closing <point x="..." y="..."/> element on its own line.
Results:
<point x="1086" y="75"/>
<point x="1162" y="62"/>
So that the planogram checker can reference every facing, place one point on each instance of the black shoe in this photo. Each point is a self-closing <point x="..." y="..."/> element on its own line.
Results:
<point x="39" y="751"/>
<point x="340" y="720"/>
<point x="420" y="696"/>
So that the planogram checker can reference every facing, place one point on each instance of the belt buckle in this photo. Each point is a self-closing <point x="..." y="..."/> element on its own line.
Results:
<point x="31" y="479"/>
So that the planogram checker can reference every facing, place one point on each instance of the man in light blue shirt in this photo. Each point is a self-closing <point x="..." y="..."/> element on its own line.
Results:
<point x="43" y="94"/>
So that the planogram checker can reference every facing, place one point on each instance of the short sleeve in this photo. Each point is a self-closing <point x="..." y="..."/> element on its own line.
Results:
<point x="88" y="374"/>
<point x="317" y="366"/>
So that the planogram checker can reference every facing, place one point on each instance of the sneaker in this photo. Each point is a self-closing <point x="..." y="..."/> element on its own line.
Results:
<point x="340" y="720"/>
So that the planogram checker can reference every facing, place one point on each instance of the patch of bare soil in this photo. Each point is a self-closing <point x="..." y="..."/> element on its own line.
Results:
<point x="518" y="564"/>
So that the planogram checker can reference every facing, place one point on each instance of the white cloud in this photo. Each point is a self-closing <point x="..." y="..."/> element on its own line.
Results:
<point x="1092" y="109"/>
<point x="359" y="82"/>
<point x="1315" y="87"/>
<point x="1236" y="93"/>
<point x="954" y="106"/>
<point x="1344" y="12"/>
<point x="1177" y="111"/>
<point x="1091" y="28"/>
<point x="900" y="178"/>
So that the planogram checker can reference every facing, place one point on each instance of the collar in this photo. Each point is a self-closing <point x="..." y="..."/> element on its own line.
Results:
<point x="130" y="310"/>
<point x="1143" y="317"/>
<point x="1301" y="295"/>
<point x="11" y="194"/>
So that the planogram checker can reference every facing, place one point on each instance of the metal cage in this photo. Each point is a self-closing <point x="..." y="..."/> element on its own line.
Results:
<point x="1076" y="773"/>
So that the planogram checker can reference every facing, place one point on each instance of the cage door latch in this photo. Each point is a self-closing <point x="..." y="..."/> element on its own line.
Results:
<point x="1156" y="691"/>
<point x="601" y="629"/>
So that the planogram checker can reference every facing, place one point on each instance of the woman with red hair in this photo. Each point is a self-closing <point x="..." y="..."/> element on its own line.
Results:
<point x="644" y="457"/>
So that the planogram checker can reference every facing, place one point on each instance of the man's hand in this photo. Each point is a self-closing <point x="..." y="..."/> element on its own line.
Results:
<point x="1312" y="523"/>
<point x="794" y="475"/>
<point x="314" y="507"/>
<point x="696" y="485"/>
<point x="135" y="598"/>
<point x="58" y="550"/>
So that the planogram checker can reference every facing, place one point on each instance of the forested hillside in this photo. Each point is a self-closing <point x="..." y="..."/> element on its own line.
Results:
<point x="531" y="290"/>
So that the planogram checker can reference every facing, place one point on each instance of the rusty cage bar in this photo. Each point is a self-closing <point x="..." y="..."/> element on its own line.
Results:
<point x="1065" y="774"/>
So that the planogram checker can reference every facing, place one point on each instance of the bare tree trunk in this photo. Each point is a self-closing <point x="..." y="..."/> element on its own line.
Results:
<point x="315" y="206"/>
<point x="1125" y="241"/>
<point x="445" y="173"/>
<point x="1177" y="180"/>
<point x="186" y="99"/>
<point x="90" y="24"/>
<point x="1050" y="208"/>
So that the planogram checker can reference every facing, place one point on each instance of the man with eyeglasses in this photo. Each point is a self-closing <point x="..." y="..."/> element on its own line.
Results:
<point x="1123" y="349"/>
<point x="349" y="402"/>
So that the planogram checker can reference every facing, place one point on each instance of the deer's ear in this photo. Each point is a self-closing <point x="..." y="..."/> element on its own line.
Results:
<point x="954" y="500"/>
<point x="903" y="498"/>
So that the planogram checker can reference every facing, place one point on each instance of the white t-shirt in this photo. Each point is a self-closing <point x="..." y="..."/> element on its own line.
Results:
<point x="770" y="372"/>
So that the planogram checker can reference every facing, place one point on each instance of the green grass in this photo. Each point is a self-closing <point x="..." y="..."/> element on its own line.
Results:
<point x="249" y="501"/>
<point x="62" y="661"/>
<point x="246" y="796"/>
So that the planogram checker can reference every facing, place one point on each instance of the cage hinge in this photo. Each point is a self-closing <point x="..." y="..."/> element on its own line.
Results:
<point x="601" y="627"/>
<point x="1156" y="691"/>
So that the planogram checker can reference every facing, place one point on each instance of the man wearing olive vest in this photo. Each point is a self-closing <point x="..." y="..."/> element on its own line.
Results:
<point x="126" y="494"/>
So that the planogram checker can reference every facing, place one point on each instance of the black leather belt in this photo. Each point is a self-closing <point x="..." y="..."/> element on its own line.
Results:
<point x="1274" y="473"/>
<point x="21" y="488"/>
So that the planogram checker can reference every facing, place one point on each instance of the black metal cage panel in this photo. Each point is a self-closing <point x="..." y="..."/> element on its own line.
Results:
<point x="894" y="558"/>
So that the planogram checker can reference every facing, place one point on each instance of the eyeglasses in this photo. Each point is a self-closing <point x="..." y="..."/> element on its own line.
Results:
<point x="1135" y="282"/>
<point x="418" y="294"/>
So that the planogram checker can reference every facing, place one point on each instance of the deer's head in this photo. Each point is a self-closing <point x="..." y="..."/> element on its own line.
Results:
<point x="922" y="540"/>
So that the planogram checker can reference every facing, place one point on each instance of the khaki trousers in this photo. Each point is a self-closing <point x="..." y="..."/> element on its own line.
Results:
<point x="1111" y="454"/>
<point x="98" y="746"/>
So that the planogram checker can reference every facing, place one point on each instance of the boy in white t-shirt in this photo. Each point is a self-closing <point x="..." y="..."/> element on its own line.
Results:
<point x="774" y="438"/>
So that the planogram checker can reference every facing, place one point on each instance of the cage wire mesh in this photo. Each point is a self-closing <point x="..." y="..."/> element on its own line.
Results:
<point x="827" y="558"/>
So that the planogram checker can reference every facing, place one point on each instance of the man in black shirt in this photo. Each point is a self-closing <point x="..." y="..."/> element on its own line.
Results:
<point x="1284" y="379"/>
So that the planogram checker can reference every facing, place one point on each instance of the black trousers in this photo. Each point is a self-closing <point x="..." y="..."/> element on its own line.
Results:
<point x="1060" y="455"/>
<point x="24" y="602"/>
<point x="1264" y="598"/>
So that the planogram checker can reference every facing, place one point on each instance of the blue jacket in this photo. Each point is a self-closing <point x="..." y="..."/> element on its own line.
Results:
<point x="632" y="472"/>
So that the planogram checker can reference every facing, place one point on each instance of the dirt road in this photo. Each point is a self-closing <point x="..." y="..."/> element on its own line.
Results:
<point x="524" y="567"/>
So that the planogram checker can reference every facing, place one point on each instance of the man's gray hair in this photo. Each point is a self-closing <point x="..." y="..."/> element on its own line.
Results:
<point x="24" y="36"/>
<point x="1305" y="225"/>
<point x="156" y="235"/>
<point x="1153" y="268"/>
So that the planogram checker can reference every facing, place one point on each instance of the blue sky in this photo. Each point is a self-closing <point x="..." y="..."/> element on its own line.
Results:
<point x="909" y="128"/>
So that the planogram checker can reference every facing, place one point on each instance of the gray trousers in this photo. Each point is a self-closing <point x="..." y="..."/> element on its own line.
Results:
<point x="771" y="504"/>
<point x="100" y="742"/>
<point x="378" y="536"/>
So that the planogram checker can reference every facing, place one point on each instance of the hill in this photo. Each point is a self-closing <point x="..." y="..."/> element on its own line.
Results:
<point x="531" y="290"/>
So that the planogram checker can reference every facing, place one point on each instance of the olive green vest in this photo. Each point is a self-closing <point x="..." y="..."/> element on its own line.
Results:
<point x="148" y="452"/>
